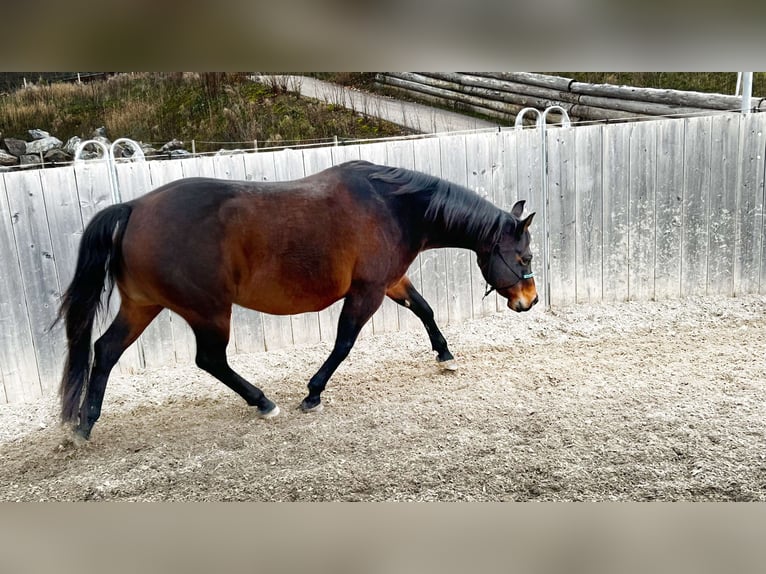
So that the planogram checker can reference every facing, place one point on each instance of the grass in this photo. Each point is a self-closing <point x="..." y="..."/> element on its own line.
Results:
<point x="210" y="108"/>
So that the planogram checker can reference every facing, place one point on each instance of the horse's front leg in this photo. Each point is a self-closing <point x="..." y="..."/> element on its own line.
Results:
<point x="358" y="307"/>
<point x="405" y="294"/>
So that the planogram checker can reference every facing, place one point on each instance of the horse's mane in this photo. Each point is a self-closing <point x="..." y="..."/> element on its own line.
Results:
<point x="453" y="205"/>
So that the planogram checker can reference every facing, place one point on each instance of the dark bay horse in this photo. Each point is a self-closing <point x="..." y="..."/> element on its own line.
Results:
<point x="197" y="246"/>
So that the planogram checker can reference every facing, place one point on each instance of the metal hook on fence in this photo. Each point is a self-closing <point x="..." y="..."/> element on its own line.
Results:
<point x="138" y="153"/>
<point x="108" y="156"/>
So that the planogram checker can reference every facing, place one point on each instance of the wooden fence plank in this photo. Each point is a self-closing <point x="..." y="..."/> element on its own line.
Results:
<point x="616" y="171"/>
<point x="505" y="191"/>
<point x="95" y="192"/>
<point x="562" y="203"/>
<point x="38" y="269"/>
<point x="402" y="154"/>
<point x="433" y="263"/>
<point x="760" y="121"/>
<point x="229" y="166"/>
<point x="156" y="343"/>
<point x="481" y="166"/>
<point x="529" y="186"/>
<point x="203" y="166"/>
<point x="750" y="205"/>
<point x="93" y="188"/>
<point x="65" y="224"/>
<point x="723" y="201"/>
<point x="459" y="262"/>
<point x="184" y="344"/>
<point x="288" y="166"/>
<point x="18" y="365"/>
<point x="314" y="161"/>
<point x="386" y="318"/>
<point x="344" y="153"/>
<point x="277" y="330"/>
<point x="317" y="159"/>
<point x="589" y="235"/>
<point x="694" y="239"/>
<point x="668" y="208"/>
<point x="642" y="164"/>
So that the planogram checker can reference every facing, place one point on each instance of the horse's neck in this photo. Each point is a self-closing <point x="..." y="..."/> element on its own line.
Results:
<point x="473" y="230"/>
<point x="453" y="237"/>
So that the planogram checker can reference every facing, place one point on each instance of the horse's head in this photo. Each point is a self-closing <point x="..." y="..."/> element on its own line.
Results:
<point x="506" y="263"/>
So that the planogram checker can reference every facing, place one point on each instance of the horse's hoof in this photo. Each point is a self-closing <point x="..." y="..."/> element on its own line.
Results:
<point x="318" y="408"/>
<point x="269" y="414"/>
<point x="73" y="442"/>
<point x="448" y="365"/>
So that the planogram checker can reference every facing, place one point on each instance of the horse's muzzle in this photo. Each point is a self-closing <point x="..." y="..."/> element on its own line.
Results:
<point x="523" y="295"/>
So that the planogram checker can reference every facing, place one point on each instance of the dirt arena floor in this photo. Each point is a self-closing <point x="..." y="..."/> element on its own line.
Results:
<point x="631" y="401"/>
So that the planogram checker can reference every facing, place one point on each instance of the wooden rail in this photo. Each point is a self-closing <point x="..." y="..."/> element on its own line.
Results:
<point x="501" y="95"/>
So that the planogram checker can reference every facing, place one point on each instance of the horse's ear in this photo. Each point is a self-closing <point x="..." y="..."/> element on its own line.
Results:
<point x="518" y="209"/>
<point x="524" y="225"/>
<point x="528" y="221"/>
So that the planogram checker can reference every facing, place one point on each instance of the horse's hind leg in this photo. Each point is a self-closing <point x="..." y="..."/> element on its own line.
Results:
<point x="357" y="310"/>
<point x="407" y="296"/>
<point x="129" y="323"/>
<point x="212" y="337"/>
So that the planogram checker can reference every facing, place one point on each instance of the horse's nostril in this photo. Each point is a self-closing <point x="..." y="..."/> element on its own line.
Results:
<point x="536" y="299"/>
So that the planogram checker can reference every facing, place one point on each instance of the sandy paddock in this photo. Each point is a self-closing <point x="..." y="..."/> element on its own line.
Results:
<point x="629" y="401"/>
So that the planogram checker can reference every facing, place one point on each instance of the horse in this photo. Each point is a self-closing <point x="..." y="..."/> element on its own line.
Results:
<point x="197" y="246"/>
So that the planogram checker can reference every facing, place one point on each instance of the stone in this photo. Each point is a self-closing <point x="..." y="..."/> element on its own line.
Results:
<point x="100" y="133"/>
<point x="148" y="149"/>
<point x="30" y="159"/>
<point x="38" y="134"/>
<point x="14" y="146"/>
<point x="57" y="155"/>
<point x="7" y="159"/>
<point x="173" y="144"/>
<point x="71" y="145"/>
<point x="43" y="145"/>
<point x="88" y="154"/>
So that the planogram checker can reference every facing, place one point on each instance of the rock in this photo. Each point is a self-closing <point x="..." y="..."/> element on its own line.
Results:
<point x="179" y="153"/>
<point x="103" y="140"/>
<point x="30" y="159"/>
<point x="71" y="145"/>
<point x="57" y="155"/>
<point x="7" y="159"/>
<point x="172" y="145"/>
<point x="100" y="133"/>
<point x="14" y="146"/>
<point x="38" y="134"/>
<point x="148" y="149"/>
<point x="124" y="150"/>
<point x="88" y="154"/>
<point x="43" y="145"/>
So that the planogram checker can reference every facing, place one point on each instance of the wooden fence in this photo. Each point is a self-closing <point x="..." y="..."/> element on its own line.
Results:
<point x="660" y="209"/>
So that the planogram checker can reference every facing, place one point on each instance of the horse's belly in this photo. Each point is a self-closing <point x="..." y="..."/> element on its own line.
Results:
<point x="289" y="299"/>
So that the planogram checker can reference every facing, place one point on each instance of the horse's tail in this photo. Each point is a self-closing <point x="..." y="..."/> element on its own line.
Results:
<point x="97" y="262"/>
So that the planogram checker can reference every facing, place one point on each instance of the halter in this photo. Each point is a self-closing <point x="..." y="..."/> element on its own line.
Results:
<point x="490" y="288"/>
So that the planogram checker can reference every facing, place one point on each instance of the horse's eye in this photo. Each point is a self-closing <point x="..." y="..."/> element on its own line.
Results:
<point x="526" y="260"/>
